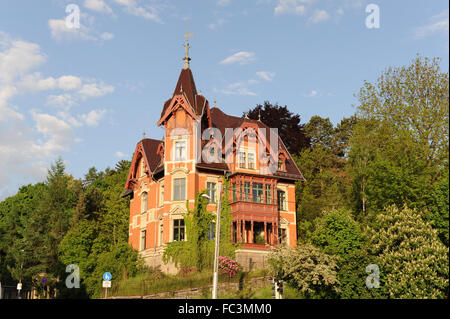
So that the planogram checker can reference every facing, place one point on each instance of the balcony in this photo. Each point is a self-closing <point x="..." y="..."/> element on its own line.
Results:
<point x="254" y="211"/>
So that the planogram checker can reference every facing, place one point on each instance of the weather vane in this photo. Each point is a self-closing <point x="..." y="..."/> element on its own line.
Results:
<point x="187" y="46"/>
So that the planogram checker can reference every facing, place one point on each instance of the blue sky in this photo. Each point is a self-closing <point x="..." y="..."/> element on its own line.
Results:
<point x="87" y="94"/>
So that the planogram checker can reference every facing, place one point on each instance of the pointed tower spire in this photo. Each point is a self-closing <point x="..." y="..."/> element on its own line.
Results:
<point x="187" y="46"/>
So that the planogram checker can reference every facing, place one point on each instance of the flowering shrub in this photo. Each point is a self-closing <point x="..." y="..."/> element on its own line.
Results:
<point x="228" y="266"/>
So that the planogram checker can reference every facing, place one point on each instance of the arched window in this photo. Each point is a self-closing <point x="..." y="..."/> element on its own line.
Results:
<point x="142" y="167"/>
<point x="144" y="202"/>
<point x="281" y="163"/>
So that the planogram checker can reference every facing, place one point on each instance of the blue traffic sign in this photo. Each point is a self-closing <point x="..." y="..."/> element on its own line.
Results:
<point x="107" y="276"/>
<point x="44" y="281"/>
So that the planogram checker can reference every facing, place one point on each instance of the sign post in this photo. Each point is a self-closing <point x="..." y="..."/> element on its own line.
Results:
<point x="106" y="282"/>
<point x="19" y="288"/>
<point x="44" y="282"/>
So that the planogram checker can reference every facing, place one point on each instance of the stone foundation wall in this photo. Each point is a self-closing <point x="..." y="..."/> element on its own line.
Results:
<point x="252" y="259"/>
<point x="154" y="259"/>
<point x="248" y="259"/>
<point x="222" y="288"/>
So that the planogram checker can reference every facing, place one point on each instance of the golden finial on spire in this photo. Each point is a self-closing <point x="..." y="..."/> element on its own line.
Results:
<point x="187" y="46"/>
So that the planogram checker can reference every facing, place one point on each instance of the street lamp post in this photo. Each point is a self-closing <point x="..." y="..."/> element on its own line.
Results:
<point x="216" y="246"/>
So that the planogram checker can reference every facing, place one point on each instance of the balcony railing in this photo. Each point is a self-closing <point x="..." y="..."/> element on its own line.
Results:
<point x="252" y="207"/>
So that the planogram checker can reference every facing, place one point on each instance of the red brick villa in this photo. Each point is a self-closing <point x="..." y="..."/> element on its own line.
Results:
<point x="166" y="173"/>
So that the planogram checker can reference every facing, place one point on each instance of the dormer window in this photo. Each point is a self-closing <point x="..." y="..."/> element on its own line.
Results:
<point x="246" y="159"/>
<point x="241" y="159"/>
<point x="251" y="160"/>
<point x="180" y="151"/>
<point x="142" y="167"/>
<point x="281" y="163"/>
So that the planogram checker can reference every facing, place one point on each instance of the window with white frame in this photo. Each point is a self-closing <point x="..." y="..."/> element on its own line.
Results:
<point x="180" y="151"/>
<point x="143" y="239"/>
<point x="179" y="189"/>
<point x="251" y="160"/>
<point x="142" y="166"/>
<point x="144" y="202"/>
<point x="161" y="233"/>
<point x="241" y="159"/>
<point x="161" y="195"/>
<point x="211" y="187"/>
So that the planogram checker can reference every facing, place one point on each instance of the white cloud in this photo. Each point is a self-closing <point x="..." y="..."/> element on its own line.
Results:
<point x="107" y="36"/>
<point x="34" y="82"/>
<point x="223" y="3"/>
<point x="61" y="100"/>
<point x="97" y="5"/>
<point x="213" y="26"/>
<point x="58" y="134"/>
<point x="312" y="94"/>
<point x="60" y="31"/>
<point x="319" y="16"/>
<point x="93" y="117"/>
<point x="316" y="93"/>
<point x="30" y="140"/>
<point x="237" y="88"/>
<point x="266" y="76"/>
<point x="120" y="154"/>
<point x="291" y="6"/>
<point x="147" y="12"/>
<point x="241" y="57"/>
<point x="18" y="58"/>
<point x="95" y="89"/>
<point x="438" y="24"/>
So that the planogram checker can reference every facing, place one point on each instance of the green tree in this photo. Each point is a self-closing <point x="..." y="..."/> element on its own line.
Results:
<point x="323" y="190"/>
<point x="320" y="131"/>
<point x="439" y="207"/>
<point x="400" y="143"/>
<point x="307" y="269"/>
<point x="342" y="135"/>
<point x="339" y="234"/>
<point x="413" y="261"/>
<point x="289" y="126"/>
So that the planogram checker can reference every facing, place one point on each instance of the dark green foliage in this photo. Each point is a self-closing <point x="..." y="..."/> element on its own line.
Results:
<point x="289" y="128"/>
<point x="339" y="234"/>
<point x="47" y="226"/>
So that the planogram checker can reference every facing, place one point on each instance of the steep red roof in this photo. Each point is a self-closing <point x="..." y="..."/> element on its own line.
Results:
<point x="221" y="121"/>
<point x="150" y="147"/>
<point x="186" y="85"/>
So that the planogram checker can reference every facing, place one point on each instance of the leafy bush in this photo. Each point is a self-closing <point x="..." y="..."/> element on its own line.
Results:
<point x="307" y="269"/>
<point x="413" y="261"/>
